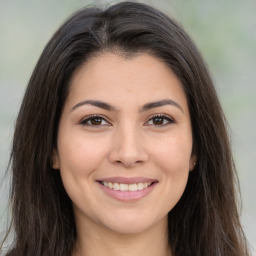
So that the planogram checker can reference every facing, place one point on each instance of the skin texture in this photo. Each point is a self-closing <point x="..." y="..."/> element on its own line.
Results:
<point x="125" y="141"/>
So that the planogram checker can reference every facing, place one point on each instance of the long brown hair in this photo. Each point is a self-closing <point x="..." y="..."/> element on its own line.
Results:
<point x="205" y="221"/>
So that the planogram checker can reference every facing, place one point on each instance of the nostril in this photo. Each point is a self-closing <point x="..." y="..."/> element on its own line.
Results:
<point x="118" y="162"/>
<point x="128" y="162"/>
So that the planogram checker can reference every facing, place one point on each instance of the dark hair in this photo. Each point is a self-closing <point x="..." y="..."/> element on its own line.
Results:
<point x="205" y="221"/>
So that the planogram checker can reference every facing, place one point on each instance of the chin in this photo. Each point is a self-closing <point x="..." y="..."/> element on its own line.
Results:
<point x="129" y="229"/>
<point x="135" y="225"/>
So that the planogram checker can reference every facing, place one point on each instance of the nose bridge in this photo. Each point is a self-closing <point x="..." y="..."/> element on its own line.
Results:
<point x="127" y="147"/>
<point x="129" y="139"/>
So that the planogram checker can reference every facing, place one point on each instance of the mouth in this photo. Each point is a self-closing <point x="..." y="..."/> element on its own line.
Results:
<point x="127" y="189"/>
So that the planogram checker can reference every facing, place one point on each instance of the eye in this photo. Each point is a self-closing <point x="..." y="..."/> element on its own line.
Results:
<point x="160" y="120"/>
<point x="94" y="120"/>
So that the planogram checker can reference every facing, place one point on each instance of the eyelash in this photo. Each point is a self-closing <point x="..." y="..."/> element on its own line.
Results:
<point x="91" y="117"/>
<point x="166" y="119"/>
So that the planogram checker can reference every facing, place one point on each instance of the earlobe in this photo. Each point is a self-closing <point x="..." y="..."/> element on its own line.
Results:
<point x="55" y="160"/>
<point x="192" y="162"/>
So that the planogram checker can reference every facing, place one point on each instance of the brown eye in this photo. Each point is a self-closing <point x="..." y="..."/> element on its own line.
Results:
<point x="160" y="120"/>
<point x="94" y="121"/>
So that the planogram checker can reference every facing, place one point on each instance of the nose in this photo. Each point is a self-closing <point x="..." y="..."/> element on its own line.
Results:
<point x="128" y="148"/>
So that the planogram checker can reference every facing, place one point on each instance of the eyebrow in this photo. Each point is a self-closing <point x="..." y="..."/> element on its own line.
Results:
<point x="96" y="103"/>
<point x="161" y="103"/>
<point x="146" y="107"/>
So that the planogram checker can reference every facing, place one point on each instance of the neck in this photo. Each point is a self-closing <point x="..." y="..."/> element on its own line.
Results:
<point x="97" y="241"/>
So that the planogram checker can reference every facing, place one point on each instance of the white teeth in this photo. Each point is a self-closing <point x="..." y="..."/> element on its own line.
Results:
<point x="126" y="187"/>
<point x="133" y="187"/>
<point x="123" y="187"/>
<point x="140" y="186"/>
<point x="116" y="186"/>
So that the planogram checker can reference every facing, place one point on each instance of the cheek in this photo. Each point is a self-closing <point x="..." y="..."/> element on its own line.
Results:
<point x="175" y="166"/>
<point x="80" y="155"/>
<point x="172" y="157"/>
<point x="173" y="154"/>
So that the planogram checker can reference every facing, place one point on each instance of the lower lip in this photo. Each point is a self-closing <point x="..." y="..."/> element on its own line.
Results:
<point x="127" y="196"/>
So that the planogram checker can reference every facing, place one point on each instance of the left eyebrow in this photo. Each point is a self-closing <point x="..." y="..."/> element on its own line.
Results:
<point x="160" y="103"/>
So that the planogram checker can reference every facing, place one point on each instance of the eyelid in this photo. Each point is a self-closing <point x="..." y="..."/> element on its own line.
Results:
<point x="85" y="119"/>
<point x="164" y="116"/>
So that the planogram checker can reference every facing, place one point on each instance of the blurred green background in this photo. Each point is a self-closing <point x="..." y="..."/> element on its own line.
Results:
<point x="225" y="32"/>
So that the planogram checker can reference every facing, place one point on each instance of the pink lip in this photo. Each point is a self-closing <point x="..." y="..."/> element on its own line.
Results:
<point x="126" y="180"/>
<point x="128" y="196"/>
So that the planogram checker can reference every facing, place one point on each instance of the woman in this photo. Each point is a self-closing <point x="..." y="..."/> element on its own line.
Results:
<point x="120" y="145"/>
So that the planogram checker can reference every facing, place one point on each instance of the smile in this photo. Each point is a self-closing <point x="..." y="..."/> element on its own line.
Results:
<point x="126" y="187"/>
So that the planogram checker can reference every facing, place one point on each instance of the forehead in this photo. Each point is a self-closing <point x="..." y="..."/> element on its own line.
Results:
<point x="121" y="80"/>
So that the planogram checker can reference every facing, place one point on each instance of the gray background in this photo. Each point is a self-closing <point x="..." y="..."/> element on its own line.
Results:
<point x="225" y="32"/>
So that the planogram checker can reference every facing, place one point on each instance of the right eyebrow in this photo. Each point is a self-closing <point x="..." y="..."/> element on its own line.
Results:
<point x="96" y="103"/>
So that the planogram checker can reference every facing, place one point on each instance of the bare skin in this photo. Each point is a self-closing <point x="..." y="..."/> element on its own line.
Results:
<point x="111" y="243"/>
<point x="124" y="152"/>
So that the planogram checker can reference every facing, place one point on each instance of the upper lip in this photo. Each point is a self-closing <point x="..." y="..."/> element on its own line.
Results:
<point x="126" y="180"/>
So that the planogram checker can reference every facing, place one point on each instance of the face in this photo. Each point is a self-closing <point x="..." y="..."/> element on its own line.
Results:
<point x="124" y="146"/>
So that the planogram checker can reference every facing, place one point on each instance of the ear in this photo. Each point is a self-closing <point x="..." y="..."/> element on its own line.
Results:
<point x="192" y="162"/>
<point x="55" y="160"/>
